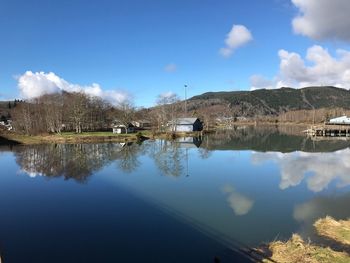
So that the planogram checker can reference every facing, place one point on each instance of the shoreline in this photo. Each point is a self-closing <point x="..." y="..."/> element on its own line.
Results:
<point x="90" y="137"/>
<point x="101" y="137"/>
<point x="333" y="248"/>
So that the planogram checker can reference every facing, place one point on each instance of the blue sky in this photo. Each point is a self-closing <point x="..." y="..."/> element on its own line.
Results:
<point x="125" y="46"/>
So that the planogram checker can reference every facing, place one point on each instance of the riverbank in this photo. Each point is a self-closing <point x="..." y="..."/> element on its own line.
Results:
<point x="296" y="250"/>
<point x="88" y="137"/>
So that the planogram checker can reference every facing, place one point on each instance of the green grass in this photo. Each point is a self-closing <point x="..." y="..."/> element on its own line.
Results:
<point x="98" y="134"/>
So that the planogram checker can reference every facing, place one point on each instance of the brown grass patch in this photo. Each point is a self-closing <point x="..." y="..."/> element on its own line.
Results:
<point x="332" y="229"/>
<point x="296" y="250"/>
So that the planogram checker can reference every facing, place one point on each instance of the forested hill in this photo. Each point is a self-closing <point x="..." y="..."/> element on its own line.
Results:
<point x="275" y="101"/>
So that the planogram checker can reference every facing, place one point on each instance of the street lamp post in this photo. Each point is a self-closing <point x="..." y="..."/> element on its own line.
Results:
<point x="185" y="99"/>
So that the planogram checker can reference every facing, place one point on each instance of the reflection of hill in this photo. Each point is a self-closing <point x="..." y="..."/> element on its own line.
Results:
<point x="76" y="161"/>
<point x="269" y="139"/>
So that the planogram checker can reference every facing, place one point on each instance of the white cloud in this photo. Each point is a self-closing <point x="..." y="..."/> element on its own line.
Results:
<point x="239" y="203"/>
<point x="319" y="67"/>
<point x="260" y="82"/>
<point x="323" y="19"/>
<point x="34" y="84"/>
<point x="172" y="67"/>
<point x="237" y="37"/>
<point x="321" y="168"/>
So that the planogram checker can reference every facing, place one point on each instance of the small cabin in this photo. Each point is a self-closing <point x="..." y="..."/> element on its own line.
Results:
<point x="121" y="128"/>
<point x="343" y="120"/>
<point x="185" y="125"/>
<point x="143" y="124"/>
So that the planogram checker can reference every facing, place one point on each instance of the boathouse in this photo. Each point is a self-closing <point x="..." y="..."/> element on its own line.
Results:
<point x="185" y="125"/>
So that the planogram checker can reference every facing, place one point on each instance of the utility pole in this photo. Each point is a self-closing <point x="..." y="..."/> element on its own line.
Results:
<point x="185" y="99"/>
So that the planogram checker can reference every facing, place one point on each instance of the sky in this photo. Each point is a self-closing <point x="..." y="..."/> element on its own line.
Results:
<point x="140" y="49"/>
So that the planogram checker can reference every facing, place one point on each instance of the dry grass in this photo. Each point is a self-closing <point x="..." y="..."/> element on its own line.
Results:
<point x="70" y="138"/>
<point x="335" y="230"/>
<point x="89" y="137"/>
<point x="296" y="250"/>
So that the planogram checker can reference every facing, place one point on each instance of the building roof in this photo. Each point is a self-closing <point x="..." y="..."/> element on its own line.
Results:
<point x="185" y="121"/>
<point x="130" y="125"/>
<point x="343" y="119"/>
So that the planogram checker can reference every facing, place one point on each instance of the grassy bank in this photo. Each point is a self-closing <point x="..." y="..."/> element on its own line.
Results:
<point x="87" y="137"/>
<point x="296" y="250"/>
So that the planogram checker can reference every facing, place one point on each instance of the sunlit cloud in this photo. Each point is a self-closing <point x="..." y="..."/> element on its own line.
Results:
<point x="34" y="84"/>
<point x="323" y="19"/>
<point x="236" y="38"/>
<point x="318" y="68"/>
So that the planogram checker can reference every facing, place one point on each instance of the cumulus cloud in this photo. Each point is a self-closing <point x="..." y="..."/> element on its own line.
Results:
<point x="239" y="203"/>
<point x="318" y="169"/>
<point x="323" y="19"/>
<point x="319" y="67"/>
<point x="34" y="84"/>
<point x="172" y="67"/>
<point x="237" y="37"/>
<point x="260" y="82"/>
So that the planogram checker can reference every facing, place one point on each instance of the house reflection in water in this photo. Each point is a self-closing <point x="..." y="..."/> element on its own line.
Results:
<point x="190" y="142"/>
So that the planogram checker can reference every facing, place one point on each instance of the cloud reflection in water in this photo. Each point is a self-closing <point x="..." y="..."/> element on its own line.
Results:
<point x="239" y="203"/>
<point x="324" y="168"/>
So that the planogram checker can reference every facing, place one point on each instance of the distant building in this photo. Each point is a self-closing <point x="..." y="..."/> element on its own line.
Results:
<point x="143" y="124"/>
<point x="185" y="125"/>
<point x="340" y="120"/>
<point x="121" y="128"/>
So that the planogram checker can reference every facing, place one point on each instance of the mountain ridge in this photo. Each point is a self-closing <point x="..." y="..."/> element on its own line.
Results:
<point x="275" y="101"/>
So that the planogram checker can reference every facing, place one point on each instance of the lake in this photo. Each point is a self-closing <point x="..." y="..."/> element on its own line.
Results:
<point x="161" y="201"/>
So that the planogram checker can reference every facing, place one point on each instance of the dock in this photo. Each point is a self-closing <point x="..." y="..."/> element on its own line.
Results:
<point x="329" y="130"/>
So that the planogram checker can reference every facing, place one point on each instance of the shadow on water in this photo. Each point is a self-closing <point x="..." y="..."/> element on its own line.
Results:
<point x="6" y="144"/>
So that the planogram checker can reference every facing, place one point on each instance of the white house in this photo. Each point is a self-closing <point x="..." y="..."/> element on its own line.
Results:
<point x="185" y="125"/>
<point x="121" y="128"/>
<point x="340" y="120"/>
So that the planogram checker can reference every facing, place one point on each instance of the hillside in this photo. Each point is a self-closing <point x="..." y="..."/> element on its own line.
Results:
<point x="274" y="102"/>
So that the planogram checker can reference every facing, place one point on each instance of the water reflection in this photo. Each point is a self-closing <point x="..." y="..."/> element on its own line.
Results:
<point x="73" y="161"/>
<point x="168" y="157"/>
<point x="79" y="161"/>
<point x="318" y="169"/>
<point x="228" y="198"/>
<point x="270" y="138"/>
<point x="239" y="203"/>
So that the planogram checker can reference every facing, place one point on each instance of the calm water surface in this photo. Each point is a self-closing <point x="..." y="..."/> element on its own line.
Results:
<point x="162" y="201"/>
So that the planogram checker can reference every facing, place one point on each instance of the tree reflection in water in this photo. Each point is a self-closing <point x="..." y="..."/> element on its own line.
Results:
<point x="72" y="161"/>
<point x="127" y="157"/>
<point x="79" y="161"/>
<point x="168" y="157"/>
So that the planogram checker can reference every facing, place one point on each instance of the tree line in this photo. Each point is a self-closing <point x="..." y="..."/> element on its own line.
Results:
<point x="54" y="113"/>
<point x="79" y="112"/>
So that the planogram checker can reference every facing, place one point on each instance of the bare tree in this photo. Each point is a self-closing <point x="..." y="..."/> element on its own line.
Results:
<point x="167" y="109"/>
<point x="126" y="113"/>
